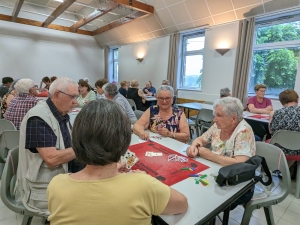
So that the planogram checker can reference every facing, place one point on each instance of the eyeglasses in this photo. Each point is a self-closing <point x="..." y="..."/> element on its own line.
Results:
<point x="262" y="91"/>
<point x="73" y="97"/>
<point x="166" y="99"/>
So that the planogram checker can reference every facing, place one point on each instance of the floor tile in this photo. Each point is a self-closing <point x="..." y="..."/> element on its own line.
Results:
<point x="6" y="213"/>
<point x="297" y="201"/>
<point x="260" y="215"/>
<point x="237" y="215"/>
<point x="9" y="221"/>
<point x="284" y="222"/>
<point x="287" y="201"/>
<point x="291" y="217"/>
<point x="255" y="221"/>
<point x="35" y="220"/>
<point x="294" y="208"/>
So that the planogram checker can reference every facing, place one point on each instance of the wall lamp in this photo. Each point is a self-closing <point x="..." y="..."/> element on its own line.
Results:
<point x="140" y="59"/>
<point x="222" y="51"/>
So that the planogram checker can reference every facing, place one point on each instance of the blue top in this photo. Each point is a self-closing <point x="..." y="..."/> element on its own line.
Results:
<point x="123" y="92"/>
<point x="152" y="90"/>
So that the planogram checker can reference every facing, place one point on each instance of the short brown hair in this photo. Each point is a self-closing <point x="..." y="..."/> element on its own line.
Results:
<point x="46" y="79"/>
<point x="83" y="83"/>
<point x="101" y="82"/>
<point x="258" y="86"/>
<point x="288" y="96"/>
<point x="123" y="83"/>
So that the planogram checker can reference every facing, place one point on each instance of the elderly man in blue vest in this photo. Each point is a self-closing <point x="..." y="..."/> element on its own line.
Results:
<point x="45" y="144"/>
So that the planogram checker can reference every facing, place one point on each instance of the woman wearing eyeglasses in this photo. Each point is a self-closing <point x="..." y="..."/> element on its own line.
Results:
<point x="258" y="103"/>
<point x="163" y="118"/>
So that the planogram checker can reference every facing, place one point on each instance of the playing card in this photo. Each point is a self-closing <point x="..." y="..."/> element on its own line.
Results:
<point x="130" y="159"/>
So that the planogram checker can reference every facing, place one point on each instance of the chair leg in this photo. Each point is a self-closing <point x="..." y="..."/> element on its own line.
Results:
<point x="197" y="130"/>
<point x="269" y="215"/>
<point x="247" y="216"/>
<point x="1" y="169"/>
<point x="297" y="190"/>
<point x="26" y="220"/>
<point x="191" y="133"/>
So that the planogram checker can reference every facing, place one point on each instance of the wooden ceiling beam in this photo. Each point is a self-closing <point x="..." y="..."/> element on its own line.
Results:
<point x="57" y="12"/>
<point x="122" y="21"/>
<point x="94" y="15"/>
<point x="16" y="10"/>
<point x="39" y="24"/>
<point x="139" y="6"/>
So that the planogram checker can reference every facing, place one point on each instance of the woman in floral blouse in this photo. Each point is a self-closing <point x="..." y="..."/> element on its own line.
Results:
<point x="231" y="137"/>
<point x="164" y="119"/>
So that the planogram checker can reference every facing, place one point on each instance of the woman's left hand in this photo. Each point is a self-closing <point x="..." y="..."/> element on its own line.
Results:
<point x="164" y="132"/>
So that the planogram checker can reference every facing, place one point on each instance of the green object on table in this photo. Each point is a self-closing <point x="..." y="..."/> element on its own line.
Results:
<point x="203" y="182"/>
<point x="203" y="176"/>
<point x="197" y="181"/>
<point x="185" y="168"/>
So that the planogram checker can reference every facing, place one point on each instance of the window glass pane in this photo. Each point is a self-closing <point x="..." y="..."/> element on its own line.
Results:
<point x="115" y="75"/>
<point x="276" y="68"/>
<point x="196" y="43"/>
<point x="278" y="33"/>
<point x="116" y="52"/>
<point x="192" y="76"/>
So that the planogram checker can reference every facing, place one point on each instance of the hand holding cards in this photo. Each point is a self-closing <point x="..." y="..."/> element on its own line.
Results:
<point x="130" y="159"/>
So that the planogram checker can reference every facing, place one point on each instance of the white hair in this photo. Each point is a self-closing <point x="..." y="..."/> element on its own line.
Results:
<point x="165" y="88"/>
<point x="60" y="84"/>
<point x="231" y="106"/>
<point x="24" y="85"/>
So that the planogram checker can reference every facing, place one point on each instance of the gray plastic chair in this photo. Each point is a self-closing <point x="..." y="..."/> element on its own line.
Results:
<point x="8" y="185"/>
<point x="289" y="140"/>
<point x="132" y="103"/>
<point x="6" y="125"/>
<point x="138" y="113"/>
<point x="275" y="192"/>
<point x="9" y="139"/>
<point x="203" y="121"/>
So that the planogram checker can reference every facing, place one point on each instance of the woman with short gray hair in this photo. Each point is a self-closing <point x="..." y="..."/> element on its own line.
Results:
<point x="103" y="194"/>
<point x="231" y="137"/>
<point x="225" y="92"/>
<point x="163" y="118"/>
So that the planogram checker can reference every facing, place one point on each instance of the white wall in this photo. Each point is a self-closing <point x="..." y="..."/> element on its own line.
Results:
<point x="154" y="66"/>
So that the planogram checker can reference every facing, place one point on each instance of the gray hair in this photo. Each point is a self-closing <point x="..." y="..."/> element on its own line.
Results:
<point x="12" y="86"/>
<point x="231" y="106"/>
<point x="165" y="82"/>
<point x="61" y="84"/>
<point x="110" y="89"/>
<point x="24" y="85"/>
<point x="99" y="141"/>
<point x="224" y="92"/>
<point x="165" y="88"/>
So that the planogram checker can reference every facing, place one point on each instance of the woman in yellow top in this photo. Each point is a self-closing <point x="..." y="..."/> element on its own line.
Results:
<point x="100" y="194"/>
<point x="86" y="94"/>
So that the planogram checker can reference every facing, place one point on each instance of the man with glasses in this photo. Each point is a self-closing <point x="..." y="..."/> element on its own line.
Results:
<point x="45" y="146"/>
<point x="24" y="101"/>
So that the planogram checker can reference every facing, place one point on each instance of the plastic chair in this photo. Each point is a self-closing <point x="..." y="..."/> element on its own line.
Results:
<point x="275" y="192"/>
<point x="9" y="139"/>
<point x="8" y="185"/>
<point x="138" y="113"/>
<point x="6" y="125"/>
<point x="290" y="140"/>
<point x="203" y="120"/>
<point x="132" y="103"/>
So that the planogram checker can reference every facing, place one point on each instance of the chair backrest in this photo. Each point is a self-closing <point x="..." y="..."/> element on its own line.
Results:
<point x="9" y="139"/>
<point x="10" y="171"/>
<point x="6" y="125"/>
<point x="208" y="103"/>
<point x="205" y="115"/>
<point x="287" y="139"/>
<point x="138" y="113"/>
<point x="276" y="160"/>
<point x="257" y="127"/>
<point x="132" y="103"/>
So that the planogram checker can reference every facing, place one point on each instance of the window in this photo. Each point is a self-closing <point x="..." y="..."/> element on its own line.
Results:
<point x="115" y="65"/>
<point x="192" y="61"/>
<point x="276" y="52"/>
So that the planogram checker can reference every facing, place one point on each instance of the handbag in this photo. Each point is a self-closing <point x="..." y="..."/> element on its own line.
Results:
<point x="241" y="172"/>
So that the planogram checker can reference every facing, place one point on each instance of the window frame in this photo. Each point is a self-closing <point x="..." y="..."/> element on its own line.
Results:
<point x="115" y="77"/>
<point x="274" y="45"/>
<point x="184" y="53"/>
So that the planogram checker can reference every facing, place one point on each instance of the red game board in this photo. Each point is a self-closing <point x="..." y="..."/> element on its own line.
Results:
<point x="159" y="167"/>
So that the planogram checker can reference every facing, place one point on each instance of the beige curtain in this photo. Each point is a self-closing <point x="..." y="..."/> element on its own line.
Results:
<point x="107" y="63"/>
<point x="243" y="60"/>
<point x="173" y="60"/>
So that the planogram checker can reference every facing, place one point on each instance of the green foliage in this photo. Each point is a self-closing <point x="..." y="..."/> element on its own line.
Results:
<point x="277" y="68"/>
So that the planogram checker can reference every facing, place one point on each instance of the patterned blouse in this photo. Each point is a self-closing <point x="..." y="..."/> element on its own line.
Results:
<point x="4" y="103"/>
<point x="241" y="142"/>
<point x="156" y="122"/>
<point x="287" y="118"/>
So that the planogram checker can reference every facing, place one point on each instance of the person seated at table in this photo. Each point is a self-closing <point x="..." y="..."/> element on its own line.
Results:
<point x="9" y="96"/>
<point x="164" y="119"/>
<point x="47" y="82"/>
<point x="149" y="90"/>
<point x="103" y="194"/>
<point x="99" y="84"/>
<point x="225" y="92"/>
<point x="231" y="137"/>
<point x="53" y="78"/>
<point x="23" y="102"/>
<point x="124" y="88"/>
<point x="137" y="96"/>
<point x="165" y="82"/>
<point x="6" y="82"/>
<point x="85" y="93"/>
<point x="111" y="93"/>
<point x="258" y="103"/>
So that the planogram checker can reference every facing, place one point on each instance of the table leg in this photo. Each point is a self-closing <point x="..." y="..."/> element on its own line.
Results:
<point x="226" y="216"/>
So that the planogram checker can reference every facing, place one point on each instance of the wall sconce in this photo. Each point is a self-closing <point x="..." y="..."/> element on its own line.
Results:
<point x="140" y="59"/>
<point x="222" y="51"/>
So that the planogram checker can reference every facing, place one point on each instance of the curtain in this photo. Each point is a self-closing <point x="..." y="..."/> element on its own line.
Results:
<point x="173" y="60"/>
<point x="107" y="63"/>
<point x="243" y="60"/>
